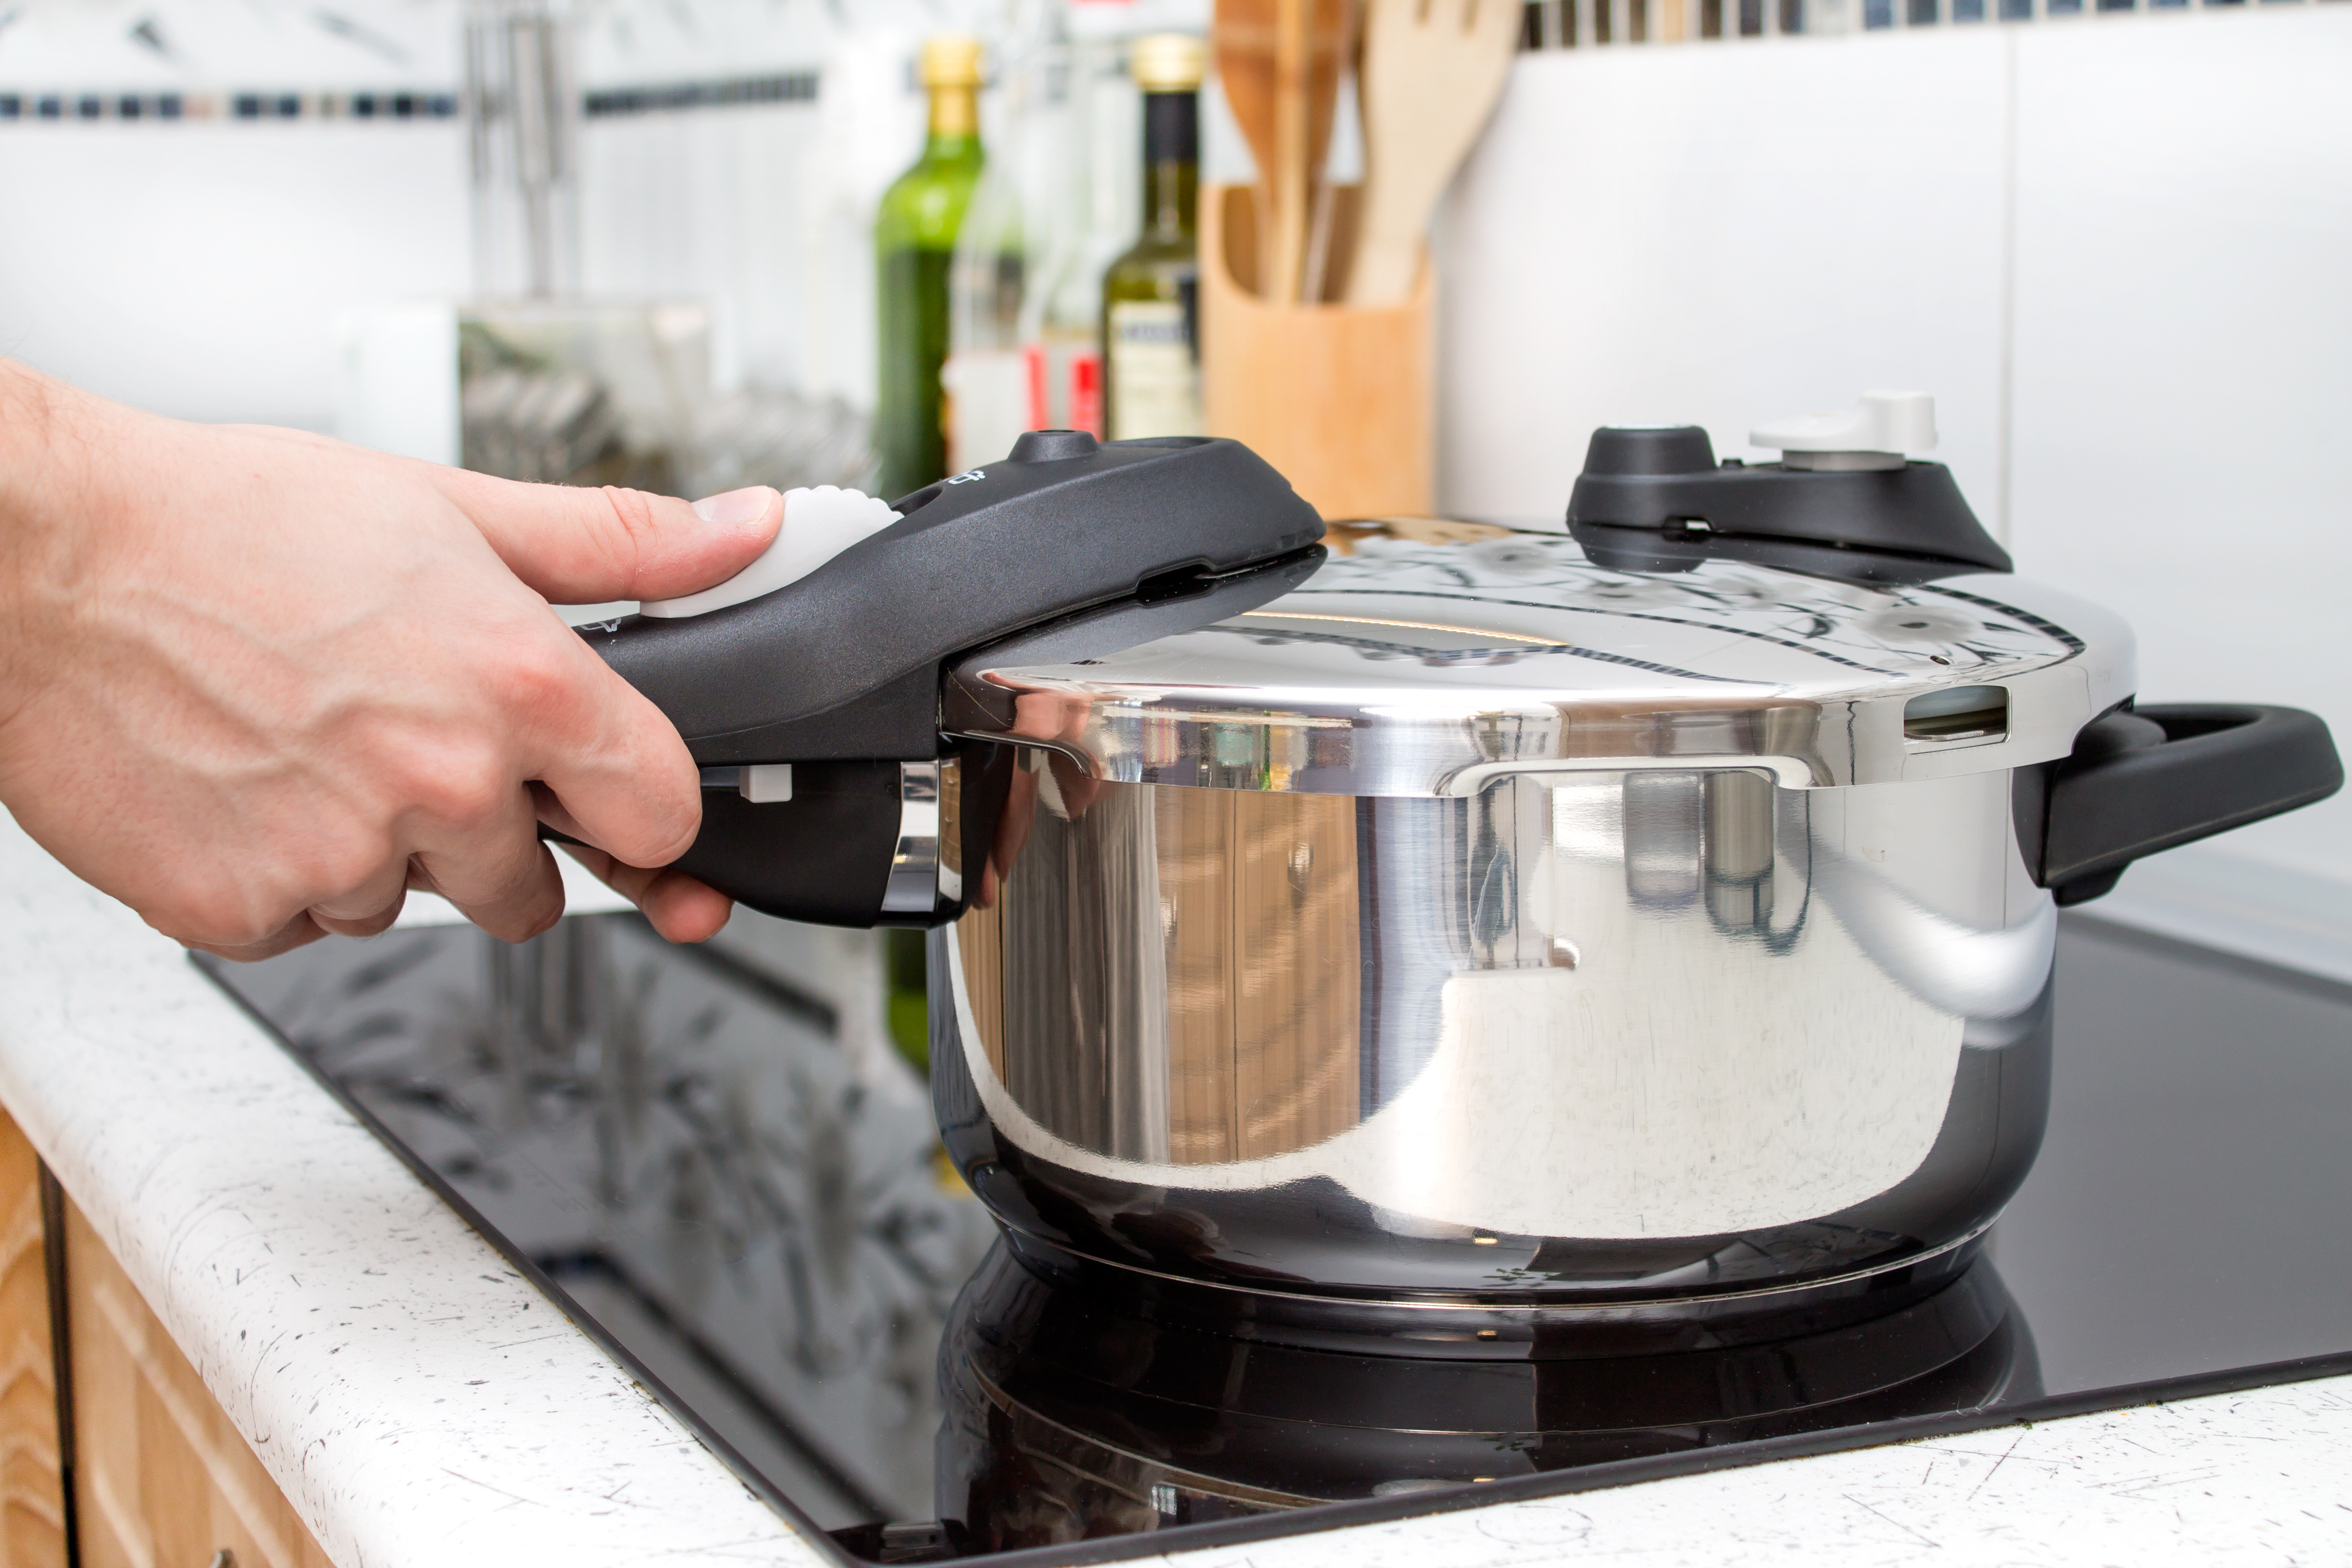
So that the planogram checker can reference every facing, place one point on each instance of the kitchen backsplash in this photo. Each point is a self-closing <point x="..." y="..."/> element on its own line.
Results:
<point x="392" y="104"/>
<point x="1574" y="24"/>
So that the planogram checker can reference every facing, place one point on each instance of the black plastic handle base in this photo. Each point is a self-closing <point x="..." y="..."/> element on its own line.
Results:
<point x="2157" y="777"/>
<point x="1655" y="500"/>
<point x="825" y="855"/>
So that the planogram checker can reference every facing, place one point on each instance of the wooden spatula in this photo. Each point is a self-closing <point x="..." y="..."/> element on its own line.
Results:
<point x="1432" y="72"/>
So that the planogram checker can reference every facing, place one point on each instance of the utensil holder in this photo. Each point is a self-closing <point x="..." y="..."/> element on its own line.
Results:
<point x="1338" y="398"/>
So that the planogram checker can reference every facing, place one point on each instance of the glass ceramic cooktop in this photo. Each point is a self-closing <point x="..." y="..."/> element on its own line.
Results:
<point x="692" y="1155"/>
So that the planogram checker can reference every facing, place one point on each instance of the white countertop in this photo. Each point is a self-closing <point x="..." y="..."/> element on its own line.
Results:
<point x="421" y="1404"/>
<point x="418" y="1402"/>
<point x="2263" y="1478"/>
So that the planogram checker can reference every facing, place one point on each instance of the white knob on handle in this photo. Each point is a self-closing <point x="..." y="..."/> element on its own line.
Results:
<point x="818" y="525"/>
<point x="1884" y="424"/>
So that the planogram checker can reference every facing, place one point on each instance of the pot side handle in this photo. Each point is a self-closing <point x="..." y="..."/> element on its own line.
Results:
<point x="2159" y="776"/>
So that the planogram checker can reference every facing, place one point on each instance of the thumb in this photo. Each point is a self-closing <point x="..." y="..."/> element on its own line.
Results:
<point x="576" y="546"/>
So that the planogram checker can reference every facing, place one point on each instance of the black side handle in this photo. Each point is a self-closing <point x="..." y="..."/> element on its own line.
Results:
<point x="2157" y="777"/>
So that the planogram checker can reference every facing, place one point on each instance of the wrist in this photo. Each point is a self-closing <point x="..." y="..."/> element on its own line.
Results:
<point x="28" y="411"/>
<point x="28" y="407"/>
<point x="51" y="452"/>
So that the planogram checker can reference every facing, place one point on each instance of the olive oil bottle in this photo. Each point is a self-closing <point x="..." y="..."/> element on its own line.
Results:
<point x="914" y="244"/>
<point x="1151" y="313"/>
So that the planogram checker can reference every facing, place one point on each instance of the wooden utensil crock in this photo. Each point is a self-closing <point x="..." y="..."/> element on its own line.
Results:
<point x="1338" y="398"/>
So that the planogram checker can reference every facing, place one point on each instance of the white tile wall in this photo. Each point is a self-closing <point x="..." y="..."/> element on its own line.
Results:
<point x="200" y="269"/>
<point x="1723" y="232"/>
<point x="1720" y="234"/>
<point x="2184" y="358"/>
<point x="704" y="204"/>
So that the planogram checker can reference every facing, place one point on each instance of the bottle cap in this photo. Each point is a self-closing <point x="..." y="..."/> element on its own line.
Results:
<point x="1168" y="62"/>
<point x="950" y="60"/>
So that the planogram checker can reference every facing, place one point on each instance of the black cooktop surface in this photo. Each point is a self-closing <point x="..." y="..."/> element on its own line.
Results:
<point x="737" y="1189"/>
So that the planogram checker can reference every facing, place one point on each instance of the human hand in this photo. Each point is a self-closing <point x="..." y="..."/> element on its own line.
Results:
<point x="257" y="684"/>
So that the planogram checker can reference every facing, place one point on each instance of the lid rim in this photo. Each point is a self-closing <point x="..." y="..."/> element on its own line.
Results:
<point x="1540" y="661"/>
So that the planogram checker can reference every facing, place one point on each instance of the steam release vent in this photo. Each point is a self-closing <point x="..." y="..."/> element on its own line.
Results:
<point x="1957" y="713"/>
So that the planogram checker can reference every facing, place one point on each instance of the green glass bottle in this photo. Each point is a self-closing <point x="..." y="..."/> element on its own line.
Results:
<point x="914" y="243"/>
<point x="1151" y="312"/>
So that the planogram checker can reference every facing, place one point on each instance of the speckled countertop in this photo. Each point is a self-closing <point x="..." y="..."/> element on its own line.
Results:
<point x="418" y="1402"/>
<point x="421" y="1404"/>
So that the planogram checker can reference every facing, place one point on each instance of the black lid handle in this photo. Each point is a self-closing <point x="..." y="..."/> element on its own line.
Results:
<point x="2161" y="776"/>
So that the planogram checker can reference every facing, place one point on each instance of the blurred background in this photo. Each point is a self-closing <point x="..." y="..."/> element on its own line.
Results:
<point x="636" y="240"/>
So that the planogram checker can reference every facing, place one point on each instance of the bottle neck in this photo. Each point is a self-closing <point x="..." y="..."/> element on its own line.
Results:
<point x="955" y="121"/>
<point x="1171" y="163"/>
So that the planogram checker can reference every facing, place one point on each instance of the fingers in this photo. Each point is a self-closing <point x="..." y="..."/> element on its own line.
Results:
<point x="495" y="869"/>
<point x="615" y="769"/>
<point x="680" y="907"/>
<point x="503" y="879"/>
<point x="576" y="546"/>
<point x="368" y="925"/>
<point x="612" y="759"/>
<point x="299" y="932"/>
<point x="368" y="907"/>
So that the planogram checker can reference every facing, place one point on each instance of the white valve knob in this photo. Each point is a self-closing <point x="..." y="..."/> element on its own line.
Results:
<point x="1873" y="433"/>
<point x="818" y="525"/>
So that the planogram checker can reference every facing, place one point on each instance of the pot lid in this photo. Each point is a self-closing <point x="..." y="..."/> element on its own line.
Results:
<point x="1437" y="656"/>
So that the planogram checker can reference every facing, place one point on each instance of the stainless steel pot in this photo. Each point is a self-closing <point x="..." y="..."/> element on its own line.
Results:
<point x="1478" y="925"/>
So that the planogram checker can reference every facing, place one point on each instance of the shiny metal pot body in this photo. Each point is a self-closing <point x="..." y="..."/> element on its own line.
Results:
<point x="1639" y="1011"/>
<point x="1648" y="1031"/>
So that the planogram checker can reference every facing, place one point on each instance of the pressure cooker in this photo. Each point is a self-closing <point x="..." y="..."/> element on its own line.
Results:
<point x="1651" y="916"/>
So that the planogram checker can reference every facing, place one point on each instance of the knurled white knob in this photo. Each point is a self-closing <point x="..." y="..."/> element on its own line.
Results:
<point x="818" y="525"/>
<point x="1886" y="423"/>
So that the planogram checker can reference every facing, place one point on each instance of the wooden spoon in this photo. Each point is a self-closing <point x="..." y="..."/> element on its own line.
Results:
<point x="1279" y="62"/>
<point x="1326" y="265"/>
<point x="1291" y="174"/>
<point x="1241" y="37"/>
<point x="1432" y="72"/>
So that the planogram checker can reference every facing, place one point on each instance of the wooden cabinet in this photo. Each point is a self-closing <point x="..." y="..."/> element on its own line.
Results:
<point x="32" y="1493"/>
<point x="158" y="1477"/>
<point x="161" y="1478"/>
